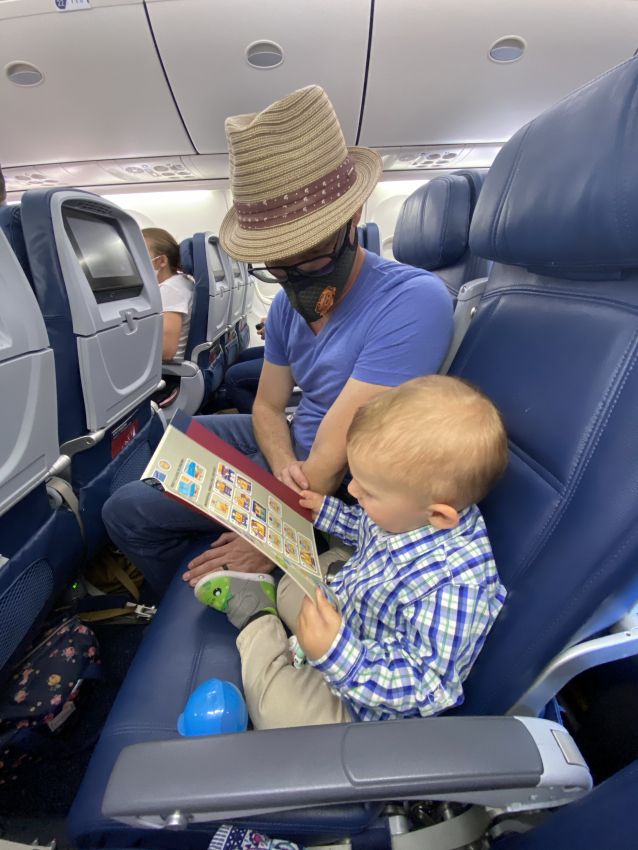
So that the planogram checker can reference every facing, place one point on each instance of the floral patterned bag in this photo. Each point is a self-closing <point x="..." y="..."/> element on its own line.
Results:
<point x="42" y="694"/>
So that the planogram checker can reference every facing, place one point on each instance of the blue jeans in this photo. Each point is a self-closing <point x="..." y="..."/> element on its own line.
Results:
<point x="155" y="532"/>
<point x="242" y="379"/>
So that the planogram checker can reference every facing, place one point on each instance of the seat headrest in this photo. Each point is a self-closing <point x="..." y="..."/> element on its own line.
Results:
<point x="476" y="179"/>
<point x="186" y="256"/>
<point x="561" y="198"/>
<point x="434" y="222"/>
<point x="11" y="225"/>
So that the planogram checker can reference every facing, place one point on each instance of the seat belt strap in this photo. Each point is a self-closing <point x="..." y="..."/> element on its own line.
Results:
<point x="64" y="489"/>
<point x="124" y="579"/>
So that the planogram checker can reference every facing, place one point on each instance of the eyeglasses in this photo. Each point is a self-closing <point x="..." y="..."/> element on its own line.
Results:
<point x="313" y="268"/>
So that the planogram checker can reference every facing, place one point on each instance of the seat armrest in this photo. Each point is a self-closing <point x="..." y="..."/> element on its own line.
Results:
<point x="493" y="760"/>
<point x="185" y="369"/>
<point x="199" y="349"/>
<point x="622" y="643"/>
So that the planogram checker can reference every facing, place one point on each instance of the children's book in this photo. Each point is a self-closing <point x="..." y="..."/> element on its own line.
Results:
<point x="198" y="468"/>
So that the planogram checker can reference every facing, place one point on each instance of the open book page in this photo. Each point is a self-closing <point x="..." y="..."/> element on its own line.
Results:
<point x="204" y="472"/>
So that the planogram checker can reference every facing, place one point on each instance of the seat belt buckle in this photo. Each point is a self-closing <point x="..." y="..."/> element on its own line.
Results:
<point x="144" y="612"/>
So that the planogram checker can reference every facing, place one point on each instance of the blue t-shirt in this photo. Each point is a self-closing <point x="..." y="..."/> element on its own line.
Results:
<point x="395" y="323"/>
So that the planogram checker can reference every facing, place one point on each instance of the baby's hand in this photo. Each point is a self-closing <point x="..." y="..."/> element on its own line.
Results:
<point x="311" y="500"/>
<point x="317" y="626"/>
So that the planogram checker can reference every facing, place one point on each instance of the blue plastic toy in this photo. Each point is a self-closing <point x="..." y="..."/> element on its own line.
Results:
<point x="214" y="708"/>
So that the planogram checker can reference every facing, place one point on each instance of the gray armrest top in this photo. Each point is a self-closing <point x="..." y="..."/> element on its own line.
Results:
<point x="185" y="369"/>
<point x="310" y="765"/>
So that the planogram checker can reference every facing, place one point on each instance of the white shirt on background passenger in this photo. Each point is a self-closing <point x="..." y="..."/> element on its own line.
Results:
<point x="177" y="297"/>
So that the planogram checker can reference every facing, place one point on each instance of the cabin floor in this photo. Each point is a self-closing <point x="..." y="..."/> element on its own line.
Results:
<point x="36" y="805"/>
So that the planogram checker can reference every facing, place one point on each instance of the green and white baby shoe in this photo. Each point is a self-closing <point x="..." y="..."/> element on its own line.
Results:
<point x="239" y="595"/>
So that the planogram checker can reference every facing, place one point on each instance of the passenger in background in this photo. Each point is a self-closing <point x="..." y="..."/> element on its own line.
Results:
<point x="176" y="290"/>
<point x="242" y="379"/>
<point x="3" y="190"/>
<point x="345" y="326"/>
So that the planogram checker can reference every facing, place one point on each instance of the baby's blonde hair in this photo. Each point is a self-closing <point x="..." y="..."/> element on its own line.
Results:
<point x="437" y="436"/>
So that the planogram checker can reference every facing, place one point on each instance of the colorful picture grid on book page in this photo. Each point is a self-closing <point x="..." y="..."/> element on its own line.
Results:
<point x="179" y="472"/>
<point x="227" y="494"/>
<point x="268" y="522"/>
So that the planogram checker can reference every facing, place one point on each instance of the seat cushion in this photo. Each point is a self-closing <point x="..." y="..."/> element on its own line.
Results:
<point x="185" y="645"/>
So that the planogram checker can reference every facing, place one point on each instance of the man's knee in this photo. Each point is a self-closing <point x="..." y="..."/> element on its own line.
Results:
<point x="235" y="428"/>
<point x="121" y="510"/>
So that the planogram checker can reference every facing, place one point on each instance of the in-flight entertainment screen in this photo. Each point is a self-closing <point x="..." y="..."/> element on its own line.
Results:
<point x="103" y="255"/>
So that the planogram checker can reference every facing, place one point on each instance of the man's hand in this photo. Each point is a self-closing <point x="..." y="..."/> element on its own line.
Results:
<point x="317" y="626"/>
<point x="293" y="476"/>
<point x="228" y="550"/>
<point x="311" y="500"/>
<point x="262" y="330"/>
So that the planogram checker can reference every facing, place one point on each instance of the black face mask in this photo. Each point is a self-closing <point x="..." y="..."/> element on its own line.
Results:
<point x="313" y="297"/>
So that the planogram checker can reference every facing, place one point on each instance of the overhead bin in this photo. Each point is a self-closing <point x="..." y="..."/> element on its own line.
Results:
<point x="102" y="92"/>
<point x="224" y="57"/>
<point x="432" y="79"/>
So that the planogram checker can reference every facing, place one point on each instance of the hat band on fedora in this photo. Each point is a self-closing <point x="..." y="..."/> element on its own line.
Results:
<point x="275" y="211"/>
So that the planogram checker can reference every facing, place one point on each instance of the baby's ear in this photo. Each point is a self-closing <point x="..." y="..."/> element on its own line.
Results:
<point x="443" y="516"/>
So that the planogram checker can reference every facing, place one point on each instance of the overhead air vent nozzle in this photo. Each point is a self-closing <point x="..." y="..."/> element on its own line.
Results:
<point x="264" y="55"/>
<point x="508" y="49"/>
<point x="23" y="74"/>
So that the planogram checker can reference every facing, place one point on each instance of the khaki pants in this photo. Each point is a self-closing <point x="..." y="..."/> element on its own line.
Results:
<point x="278" y="694"/>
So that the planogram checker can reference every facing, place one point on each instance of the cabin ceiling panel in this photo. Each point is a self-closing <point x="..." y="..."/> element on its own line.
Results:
<point x="103" y="94"/>
<point x="203" y="45"/>
<point x="431" y="80"/>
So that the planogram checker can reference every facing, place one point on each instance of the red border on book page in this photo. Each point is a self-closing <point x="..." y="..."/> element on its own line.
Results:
<point x="220" y="447"/>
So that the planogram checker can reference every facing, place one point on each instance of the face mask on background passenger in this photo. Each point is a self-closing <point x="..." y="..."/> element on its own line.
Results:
<point x="157" y="271"/>
<point x="313" y="293"/>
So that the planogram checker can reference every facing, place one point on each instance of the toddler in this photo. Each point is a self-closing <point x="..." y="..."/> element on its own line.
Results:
<point x="420" y="592"/>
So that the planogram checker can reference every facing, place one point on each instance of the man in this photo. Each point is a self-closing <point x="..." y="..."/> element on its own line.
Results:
<point x="346" y="325"/>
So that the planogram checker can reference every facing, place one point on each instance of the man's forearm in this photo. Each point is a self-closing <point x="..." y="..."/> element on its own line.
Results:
<point x="273" y="436"/>
<point x="324" y="474"/>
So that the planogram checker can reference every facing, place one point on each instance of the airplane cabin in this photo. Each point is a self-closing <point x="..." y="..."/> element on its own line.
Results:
<point x="507" y="133"/>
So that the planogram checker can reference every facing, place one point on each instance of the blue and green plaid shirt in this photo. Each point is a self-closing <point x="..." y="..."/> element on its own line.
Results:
<point x="416" y="609"/>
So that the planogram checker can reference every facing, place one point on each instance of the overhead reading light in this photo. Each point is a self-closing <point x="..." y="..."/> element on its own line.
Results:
<point x="508" y="49"/>
<point x="264" y="55"/>
<point x="23" y="74"/>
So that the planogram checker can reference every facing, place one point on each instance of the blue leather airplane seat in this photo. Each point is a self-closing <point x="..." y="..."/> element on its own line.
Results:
<point x="195" y="376"/>
<point x="199" y="311"/>
<point x="11" y="226"/>
<point x="246" y="287"/>
<point x="122" y="453"/>
<point x="40" y="543"/>
<point x="43" y="546"/>
<point x="185" y="645"/>
<point x="433" y="228"/>
<point x="369" y="237"/>
<point x="231" y="342"/>
<point x="554" y="343"/>
<point x="211" y="360"/>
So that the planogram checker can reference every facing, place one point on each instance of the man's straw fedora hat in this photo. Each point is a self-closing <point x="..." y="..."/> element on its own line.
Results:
<point x="294" y="181"/>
